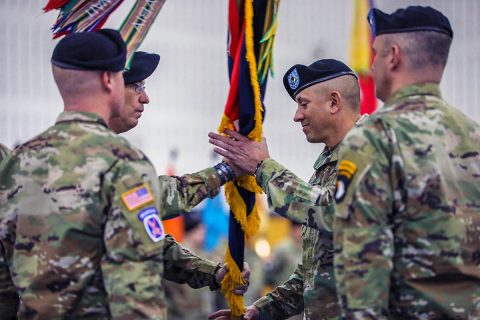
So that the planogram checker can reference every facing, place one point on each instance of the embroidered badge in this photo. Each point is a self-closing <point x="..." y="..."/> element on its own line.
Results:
<point x="152" y="223"/>
<point x="371" y="21"/>
<point x="137" y="197"/>
<point x="294" y="79"/>
<point x="346" y="171"/>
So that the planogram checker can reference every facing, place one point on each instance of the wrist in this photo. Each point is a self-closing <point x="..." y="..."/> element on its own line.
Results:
<point x="225" y="172"/>
<point x="216" y="282"/>
<point x="257" y="167"/>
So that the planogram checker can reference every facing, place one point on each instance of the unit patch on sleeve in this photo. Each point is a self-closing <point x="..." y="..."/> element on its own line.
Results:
<point x="137" y="197"/>
<point x="152" y="223"/>
<point x="346" y="171"/>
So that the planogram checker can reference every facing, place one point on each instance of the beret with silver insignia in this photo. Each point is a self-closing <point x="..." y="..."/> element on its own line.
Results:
<point x="300" y="77"/>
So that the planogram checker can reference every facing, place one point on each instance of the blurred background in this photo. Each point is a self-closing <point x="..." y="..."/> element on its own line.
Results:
<point x="189" y="89"/>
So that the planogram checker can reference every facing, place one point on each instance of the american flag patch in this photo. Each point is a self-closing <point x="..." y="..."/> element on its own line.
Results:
<point x="137" y="197"/>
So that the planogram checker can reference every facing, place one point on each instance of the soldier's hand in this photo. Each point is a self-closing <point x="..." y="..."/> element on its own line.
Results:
<point x="242" y="151"/>
<point x="241" y="289"/>
<point x="239" y="172"/>
<point x="251" y="313"/>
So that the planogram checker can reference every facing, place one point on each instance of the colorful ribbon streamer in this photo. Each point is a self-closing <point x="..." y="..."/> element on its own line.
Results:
<point x="252" y="26"/>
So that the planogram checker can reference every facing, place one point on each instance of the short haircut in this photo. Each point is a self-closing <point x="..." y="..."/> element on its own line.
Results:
<point x="422" y="48"/>
<point x="349" y="89"/>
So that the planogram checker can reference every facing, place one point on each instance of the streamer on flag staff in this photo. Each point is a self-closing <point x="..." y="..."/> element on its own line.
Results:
<point x="252" y="26"/>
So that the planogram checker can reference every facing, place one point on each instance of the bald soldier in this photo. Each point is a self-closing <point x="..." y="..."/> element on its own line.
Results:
<point x="80" y="224"/>
<point x="407" y="222"/>
<point x="328" y="106"/>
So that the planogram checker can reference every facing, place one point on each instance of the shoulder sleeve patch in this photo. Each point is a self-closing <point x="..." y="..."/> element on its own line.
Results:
<point x="346" y="171"/>
<point x="137" y="197"/>
<point x="152" y="223"/>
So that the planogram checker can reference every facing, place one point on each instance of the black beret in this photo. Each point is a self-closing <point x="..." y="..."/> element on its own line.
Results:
<point x="300" y="77"/>
<point x="410" y="19"/>
<point x="103" y="50"/>
<point x="142" y="66"/>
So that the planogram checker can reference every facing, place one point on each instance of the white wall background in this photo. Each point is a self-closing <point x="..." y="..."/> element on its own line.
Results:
<point x="189" y="89"/>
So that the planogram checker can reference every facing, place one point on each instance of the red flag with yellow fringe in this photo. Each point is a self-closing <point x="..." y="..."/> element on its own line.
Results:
<point x="252" y="27"/>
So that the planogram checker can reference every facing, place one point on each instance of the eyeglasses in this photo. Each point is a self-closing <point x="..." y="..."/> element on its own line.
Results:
<point x="139" y="87"/>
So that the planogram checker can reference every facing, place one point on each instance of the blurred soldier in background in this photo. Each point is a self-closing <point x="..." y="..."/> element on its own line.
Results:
<point x="284" y="259"/>
<point x="182" y="302"/>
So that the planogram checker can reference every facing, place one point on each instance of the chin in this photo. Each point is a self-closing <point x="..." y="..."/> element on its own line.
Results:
<point x="314" y="140"/>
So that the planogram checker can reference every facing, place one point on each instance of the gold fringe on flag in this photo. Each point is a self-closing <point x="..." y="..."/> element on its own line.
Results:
<point x="249" y="223"/>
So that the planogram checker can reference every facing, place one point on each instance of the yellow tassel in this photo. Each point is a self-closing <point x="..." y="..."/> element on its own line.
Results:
<point x="256" y="133"/>
<point x="232" y="279"/>
<point x="251" y="223"/>
<point x="225" y="123"/>
<point x="249" y="183"/>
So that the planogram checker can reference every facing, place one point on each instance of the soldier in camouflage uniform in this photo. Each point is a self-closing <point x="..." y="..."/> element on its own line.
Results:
<point x="179" y="194"/>
<point x="407" y="221"/>
<point x="80" y="227"/>
<point x="328" y="98"/>
<point x="8" y="293"/>
<point x="4" y="151"/>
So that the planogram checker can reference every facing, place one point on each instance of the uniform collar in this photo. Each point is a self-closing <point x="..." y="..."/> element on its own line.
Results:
<point x="430" y="89"/>
<point x="325" y="157"/>
<point x="328" y="155"/>
<point x="77" y="116"/>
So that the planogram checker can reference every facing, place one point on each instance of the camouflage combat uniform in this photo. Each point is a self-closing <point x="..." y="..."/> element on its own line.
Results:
<point x="8" y="294"/>
<point x="4" y="151"/>
<point x="77" y="244"/>
<point x="311" y="287"/>
<point x="407" y="222"/>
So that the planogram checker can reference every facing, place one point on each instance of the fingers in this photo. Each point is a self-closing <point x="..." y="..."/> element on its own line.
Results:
<point x="221" y="314"/>
<point x="251" y="313"/>
<point x="246" y="272"/>
<point x="236" y="135"/>
<point x="246" y="275"/>
<point x="222" y="143"/>
<point x="240" y="290"/>
<point x="223" y="153"/>
<point x="220" y="137"/>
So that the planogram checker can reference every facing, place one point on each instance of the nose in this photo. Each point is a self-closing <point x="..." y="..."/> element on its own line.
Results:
<point x="298" y="115"/>
<point x="144" y="98"/>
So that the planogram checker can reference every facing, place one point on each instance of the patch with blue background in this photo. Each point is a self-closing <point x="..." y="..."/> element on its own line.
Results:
<point x="152" y="223"/>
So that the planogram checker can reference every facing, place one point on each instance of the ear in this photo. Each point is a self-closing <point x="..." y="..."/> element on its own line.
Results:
<point x="107" y="81"/>
<point x="395" y="57"/>
<point x="335" y="102"/>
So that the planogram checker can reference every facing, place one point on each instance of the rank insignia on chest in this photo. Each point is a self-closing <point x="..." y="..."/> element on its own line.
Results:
<point x="346" y="171"/>
<point x="152" y="223"/>
<point x="137" y="197"/>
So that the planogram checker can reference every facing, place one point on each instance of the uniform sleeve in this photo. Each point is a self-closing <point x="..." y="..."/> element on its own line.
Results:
<point x="184" y="266"/>
<point x="4" y="152"/>
<point x="132" y="266"/>
<point x="362" y="227"/>
<point x="180" y="194"/>
<point x="295" y="199"/>
<point x="8" y="293"/>
<point x="285" y="300"/>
